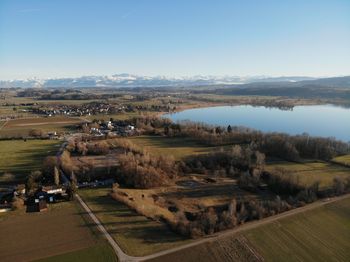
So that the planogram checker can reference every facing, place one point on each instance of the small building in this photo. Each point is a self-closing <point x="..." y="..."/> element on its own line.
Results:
<point x="52" y="190"/>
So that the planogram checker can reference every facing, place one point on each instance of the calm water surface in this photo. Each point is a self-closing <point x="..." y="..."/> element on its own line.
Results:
<point x="318" y="120"/>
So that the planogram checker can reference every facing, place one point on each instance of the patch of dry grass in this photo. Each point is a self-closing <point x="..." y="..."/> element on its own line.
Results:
<point x="310" y="172"/>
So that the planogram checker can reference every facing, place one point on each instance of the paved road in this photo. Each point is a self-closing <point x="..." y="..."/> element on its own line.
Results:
<point x="250" y="225"/>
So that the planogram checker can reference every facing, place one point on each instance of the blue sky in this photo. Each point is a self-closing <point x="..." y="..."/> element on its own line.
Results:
<point x="64" y="38"/>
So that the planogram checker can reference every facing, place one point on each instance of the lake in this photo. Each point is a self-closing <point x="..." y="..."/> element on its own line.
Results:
<point x="316" y="120"/>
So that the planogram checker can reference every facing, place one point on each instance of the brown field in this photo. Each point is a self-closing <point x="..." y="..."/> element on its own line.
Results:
<point x="31" y="236"/>
<point x="20" y="127"/>
<point x="103" y="161"/>
<point x="41" y="121"/>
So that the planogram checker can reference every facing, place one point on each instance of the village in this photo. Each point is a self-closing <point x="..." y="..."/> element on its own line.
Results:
<point x="77" y="110"/>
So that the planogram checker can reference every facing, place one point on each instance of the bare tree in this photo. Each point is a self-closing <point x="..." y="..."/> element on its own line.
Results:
<point x="56" y="176"/>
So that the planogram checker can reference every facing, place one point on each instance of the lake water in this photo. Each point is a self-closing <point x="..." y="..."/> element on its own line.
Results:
<point x="316" y="120"/>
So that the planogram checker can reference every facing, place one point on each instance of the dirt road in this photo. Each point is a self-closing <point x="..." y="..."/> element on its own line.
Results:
<point x="2" y="126"/>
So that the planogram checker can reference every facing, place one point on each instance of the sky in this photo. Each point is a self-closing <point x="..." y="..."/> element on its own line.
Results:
<point x="68" y="38"/>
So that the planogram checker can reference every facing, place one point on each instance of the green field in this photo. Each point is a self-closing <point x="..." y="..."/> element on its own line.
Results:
<point x="136" y="235"/>
<point x="101" y="252"/>
<point x="310" y="172"/>
<point x="20" y="158"/>
<point x="344" y="160"/>
<point x="178" y="147"/>
<point x="322" y="234"/>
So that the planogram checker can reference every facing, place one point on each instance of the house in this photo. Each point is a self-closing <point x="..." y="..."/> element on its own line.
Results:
<point x="52" y="190"/>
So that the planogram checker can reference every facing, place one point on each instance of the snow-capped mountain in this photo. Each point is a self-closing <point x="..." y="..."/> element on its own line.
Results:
<point x="129" y="80"/>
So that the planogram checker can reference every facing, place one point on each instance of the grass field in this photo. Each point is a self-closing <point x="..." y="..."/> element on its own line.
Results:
<point x="228" y="249"/>
<point x="20" y="158"/>
<point x="311" y="172"/>
<point x="135" y="234"/>
<point x="176" y="146"/>
<point x="344" y="160"/>
<point x="30" y="236"/>
<point x="322" y="234"/>
<point x="22" y="127"/>
<point x="101" y="252"/>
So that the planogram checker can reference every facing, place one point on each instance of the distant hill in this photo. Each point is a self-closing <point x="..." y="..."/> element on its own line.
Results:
<point x="335" y="87"/>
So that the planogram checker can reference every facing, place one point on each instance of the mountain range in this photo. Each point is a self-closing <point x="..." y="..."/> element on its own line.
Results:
<point x="129" y="80"/>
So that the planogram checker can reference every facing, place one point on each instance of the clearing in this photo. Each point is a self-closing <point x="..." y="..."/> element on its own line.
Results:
<point x="179" y="147"/>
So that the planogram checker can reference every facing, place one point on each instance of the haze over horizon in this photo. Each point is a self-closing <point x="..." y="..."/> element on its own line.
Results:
<point x="59" y="39"/>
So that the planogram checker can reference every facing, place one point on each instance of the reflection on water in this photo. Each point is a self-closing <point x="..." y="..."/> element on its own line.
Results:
<point x="316" y="120"/>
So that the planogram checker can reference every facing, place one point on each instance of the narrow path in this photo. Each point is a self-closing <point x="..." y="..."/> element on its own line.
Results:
<point x="250" y="225"/>
<point x="2" y="126"/>
<point x="119" y="252"/>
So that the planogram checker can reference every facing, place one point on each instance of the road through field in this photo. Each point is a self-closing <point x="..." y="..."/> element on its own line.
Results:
<point x="250" y="225"/>
<point x="119" y="252"/>
<point x="2" y="126"/>
<point x="247" y="226"/>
